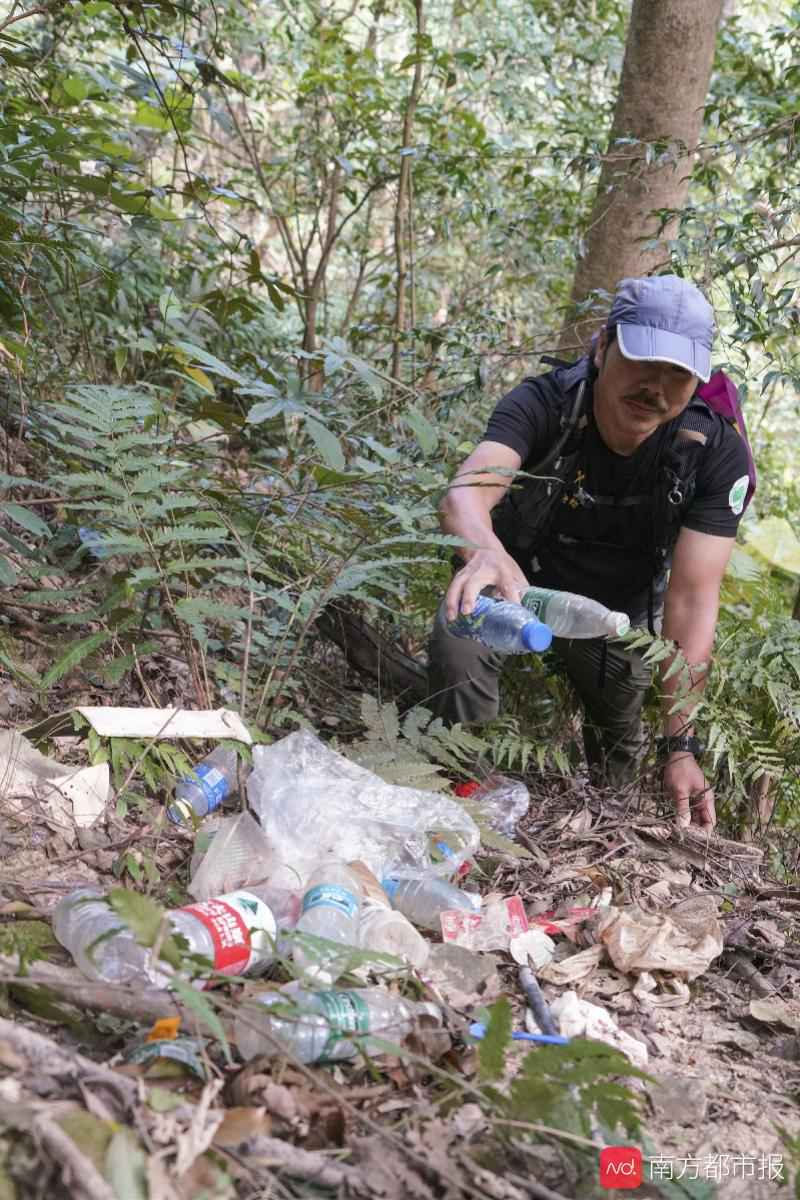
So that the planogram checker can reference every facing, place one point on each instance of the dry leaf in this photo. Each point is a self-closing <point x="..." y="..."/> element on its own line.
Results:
<point x="576" y="967"/>
<point x="775" y="1011"/>
<point x="195" y="1140"/>
<point x="240" y="1124"/>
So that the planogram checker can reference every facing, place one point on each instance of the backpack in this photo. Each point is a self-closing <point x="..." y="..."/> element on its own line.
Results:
<point x="524" y="514"/>
<point x="722" y="397"/>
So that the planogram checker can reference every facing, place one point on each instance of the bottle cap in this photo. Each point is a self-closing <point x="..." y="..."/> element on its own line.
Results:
<point x="180" y="813"/>
<point x="537" y="636"/>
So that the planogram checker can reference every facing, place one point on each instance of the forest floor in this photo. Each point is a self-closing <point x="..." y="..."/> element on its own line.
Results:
<point x="81" y="1119"/>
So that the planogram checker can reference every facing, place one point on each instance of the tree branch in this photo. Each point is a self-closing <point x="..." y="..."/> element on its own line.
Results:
<point x="31" y="12"/>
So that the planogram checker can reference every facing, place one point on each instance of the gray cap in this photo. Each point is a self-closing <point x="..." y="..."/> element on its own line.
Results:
<point x="664" y="319"/>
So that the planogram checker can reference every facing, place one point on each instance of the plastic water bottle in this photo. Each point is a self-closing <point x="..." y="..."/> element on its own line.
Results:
<point x="503" y="626"/>
<point x="331" y="910"/>
<point x="99" y="941"/>
<point x="236" y="933"/>
<point x="423" y="899"/>
<point x="327" y="1026"/>
<point x="572" y="616"/>
<point x="387" y="931"/>
<point x="216" y="779"/>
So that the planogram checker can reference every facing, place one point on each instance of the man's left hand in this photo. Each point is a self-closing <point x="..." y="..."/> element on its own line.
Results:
<point x="686" y="785"/>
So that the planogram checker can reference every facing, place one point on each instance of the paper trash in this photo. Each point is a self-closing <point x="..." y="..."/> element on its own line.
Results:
<point x="158" y="724"/>
<point x="76" y="796"/>
<point x="579" y="1018"/>
<point x="167" y="723"/>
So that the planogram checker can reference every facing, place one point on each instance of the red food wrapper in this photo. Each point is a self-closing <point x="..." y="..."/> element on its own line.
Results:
<point x="490" y="929"/>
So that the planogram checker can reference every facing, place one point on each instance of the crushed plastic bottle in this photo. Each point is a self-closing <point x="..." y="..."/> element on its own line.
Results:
<point x="235" y="933"/>
<point x="422" y="900"/>
<point x="572" y="616"/>
<point x="502" y="626"/>
<point x="331" y="910"/>
<point x="99" y="941"/>
<point x="387" y="931"/>
<point x="328" y="1026"/>
<point x="215" y="779"/>
<point x="382" y="928"/>
<point x="500" y="801"/>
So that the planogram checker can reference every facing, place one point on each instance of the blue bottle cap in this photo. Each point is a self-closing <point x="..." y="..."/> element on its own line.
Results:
<point x="537" y="636"/>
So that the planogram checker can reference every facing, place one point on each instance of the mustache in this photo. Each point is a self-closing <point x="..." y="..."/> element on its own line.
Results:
<point x="647" y="399"/>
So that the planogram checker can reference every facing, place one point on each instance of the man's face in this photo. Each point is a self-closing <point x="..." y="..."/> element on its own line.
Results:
<point x="631" y="399"/>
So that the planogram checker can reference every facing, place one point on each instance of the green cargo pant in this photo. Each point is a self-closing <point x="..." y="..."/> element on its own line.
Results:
<point x="464" y="684"/>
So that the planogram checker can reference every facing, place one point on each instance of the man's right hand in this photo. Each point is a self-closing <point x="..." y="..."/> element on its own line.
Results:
<point x="486" y="568"/>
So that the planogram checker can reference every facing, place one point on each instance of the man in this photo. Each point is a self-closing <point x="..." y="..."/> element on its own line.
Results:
<point x="647" y="478"/>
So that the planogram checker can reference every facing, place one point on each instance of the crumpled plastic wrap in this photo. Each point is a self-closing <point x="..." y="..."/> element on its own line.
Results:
<point x="681" y="941"/>
<point x="502" y="802"/>
<point x="314" y="804"/>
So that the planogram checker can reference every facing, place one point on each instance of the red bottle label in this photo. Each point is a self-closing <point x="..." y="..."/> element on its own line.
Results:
<point x="229" y="933"/>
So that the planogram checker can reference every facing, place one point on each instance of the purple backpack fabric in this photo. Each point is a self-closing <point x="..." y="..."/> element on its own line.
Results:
<point x="721" y="396"/>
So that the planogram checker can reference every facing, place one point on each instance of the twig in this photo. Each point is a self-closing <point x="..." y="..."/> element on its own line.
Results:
<point x="45" y="1054"/>
<point x="84" y="1179"/>
<point x="31" y="12"/>
<point x="137" y="1004"/>
<point x="548" y="1130"/>
<point x="742" y="968"/>
<point x="310" y="1165"/>
<point x="537" y="1190"/>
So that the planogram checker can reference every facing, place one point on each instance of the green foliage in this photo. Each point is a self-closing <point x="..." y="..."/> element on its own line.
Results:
<point x="147" y="922"/>
<point x="567" y="1085"/>
<point x="496" y="1040"/>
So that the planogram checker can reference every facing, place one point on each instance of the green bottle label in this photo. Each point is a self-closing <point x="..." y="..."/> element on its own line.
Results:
<point x="536" y="601"/>
<point x="346" y="1013"/>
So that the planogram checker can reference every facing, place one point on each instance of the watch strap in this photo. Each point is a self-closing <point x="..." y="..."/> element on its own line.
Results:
<point x="684" y="743"/>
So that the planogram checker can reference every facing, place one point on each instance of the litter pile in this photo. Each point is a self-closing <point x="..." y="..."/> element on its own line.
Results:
<point x="377" y="904"/>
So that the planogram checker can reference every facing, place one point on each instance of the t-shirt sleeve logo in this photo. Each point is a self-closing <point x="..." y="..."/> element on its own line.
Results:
<point x="737" y="495"/>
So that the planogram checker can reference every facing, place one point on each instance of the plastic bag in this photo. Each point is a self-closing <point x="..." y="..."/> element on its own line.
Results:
<point x="314" y="804"/>
<point x="501" y="801"/>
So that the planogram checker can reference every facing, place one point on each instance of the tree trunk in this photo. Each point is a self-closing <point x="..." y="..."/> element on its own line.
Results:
<point x="396" y="674"/>
<point x="669" y="54"/>
<point x="401" y="212"/>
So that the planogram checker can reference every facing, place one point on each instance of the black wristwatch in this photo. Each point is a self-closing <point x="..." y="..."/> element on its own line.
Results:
<point x="683" y="744"/>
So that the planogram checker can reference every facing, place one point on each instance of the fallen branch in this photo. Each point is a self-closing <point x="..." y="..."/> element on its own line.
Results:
<point x="742" y="968"/>
<point x="50" y="1058"/>
<point x="80" y="1173"/>
<point x="372" y="655"/>
<point x="144" y="1006"/>
<point x="310" y="1165"/>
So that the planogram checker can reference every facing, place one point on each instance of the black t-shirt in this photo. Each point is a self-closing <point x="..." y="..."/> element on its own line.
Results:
<point x="606" y="549"/>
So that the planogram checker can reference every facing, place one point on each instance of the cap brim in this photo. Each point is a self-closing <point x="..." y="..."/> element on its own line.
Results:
<point x="645" y="343"/>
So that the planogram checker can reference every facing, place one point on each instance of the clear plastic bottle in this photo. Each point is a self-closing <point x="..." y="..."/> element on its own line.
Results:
<point x="572" y="616"/>
<point x="236" y="933"/>
<point x="388" y="932"/>
<point x="331" y="910"/>
<point x="422" y="900"/>
<point x="502" y="626"/>
<point x="99" y="941"/>
<point x="324" y="1026"/>
<point x="216" y="779"/>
